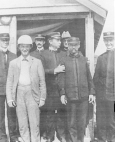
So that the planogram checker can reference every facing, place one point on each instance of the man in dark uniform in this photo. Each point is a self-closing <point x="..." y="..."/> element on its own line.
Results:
<point x="39" y="41"/>
<point x="78" y="85"/>
<point x="104" y="79"/>
<point x="5" y="57"/>
<point x="55" y="120"/>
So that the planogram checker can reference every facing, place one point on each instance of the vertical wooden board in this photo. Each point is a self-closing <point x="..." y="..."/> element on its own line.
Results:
<point x="89" y="37"/>
<point x="13" y="35"/>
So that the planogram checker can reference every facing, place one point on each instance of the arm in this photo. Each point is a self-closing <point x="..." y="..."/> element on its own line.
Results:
<point x="42" y="85"/>
<point x="96" y="77"/>
<point x="90" y="85"/>
<point x="9" y="86"/>
<point x="61" y="86"/>
<point x="54" y="70"/>
<point x="90" y="81"/>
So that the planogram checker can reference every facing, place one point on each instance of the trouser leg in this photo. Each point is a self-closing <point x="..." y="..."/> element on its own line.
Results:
<point x="50" y="127"/>
<point x="110" y="121"/>
<point x="34" y="117"/>
<point x="71" y="121"/>
<point x="22" y="116"/>
<point x="101" y="119"/>
<point x="43" y="115"/>
<point x="50" y="118"/>
<point x="61" y="123"/>
<point x="82" y="111"/>
<point x="12" y="124"/>
<point x="76" y="117"/>
<point x="3" y="136"/>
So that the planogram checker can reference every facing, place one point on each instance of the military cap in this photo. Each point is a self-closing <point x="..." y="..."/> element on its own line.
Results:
<point x="39" y="36"/>
<point x="108" y="34"/>
<point x="73" y="41"/>
<point x="4" y="36"/>
<point x="54" y="35"/>
<point x="65" y="35"/>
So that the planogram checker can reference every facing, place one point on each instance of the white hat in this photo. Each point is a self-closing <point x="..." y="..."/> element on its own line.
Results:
<point x="66" y="34"/>
<point x="25" y="39"/>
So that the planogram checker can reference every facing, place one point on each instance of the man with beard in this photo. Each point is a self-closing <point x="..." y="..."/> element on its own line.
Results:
<point x="104" y="80"/>
<point x="55" y="119"/>
<point x="5" y="57"/>
<point x="78" y="85"/>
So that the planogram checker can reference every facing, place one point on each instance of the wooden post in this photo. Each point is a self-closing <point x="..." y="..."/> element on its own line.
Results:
<point x="13" y="35"/>
<point x="89" y="39"/>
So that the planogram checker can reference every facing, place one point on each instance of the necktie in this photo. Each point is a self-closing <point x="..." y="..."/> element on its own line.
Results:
<point x="25" y="60"/>
<point x="5" y="58"/>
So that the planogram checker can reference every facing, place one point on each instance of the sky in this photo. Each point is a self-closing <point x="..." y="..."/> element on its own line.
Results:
<point x="109" y="23"/>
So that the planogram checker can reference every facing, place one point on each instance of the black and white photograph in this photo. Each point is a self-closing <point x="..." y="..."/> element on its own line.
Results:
<point x="57" y="71"/>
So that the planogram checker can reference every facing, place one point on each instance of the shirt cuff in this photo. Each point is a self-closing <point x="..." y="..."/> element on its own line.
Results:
<point x="42" y="99"/>
<point x="62" y="91"/>
<point x="10" y="101"/>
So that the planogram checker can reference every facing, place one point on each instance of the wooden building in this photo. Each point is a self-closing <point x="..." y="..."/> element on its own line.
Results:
<point x="82" y="18"/>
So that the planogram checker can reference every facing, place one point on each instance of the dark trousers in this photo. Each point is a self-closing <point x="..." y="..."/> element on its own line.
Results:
<point x="12" y="122"/>
<point x="105" y="120"/>
<point x="53" y="119"/>
<point x="76" y="117"/>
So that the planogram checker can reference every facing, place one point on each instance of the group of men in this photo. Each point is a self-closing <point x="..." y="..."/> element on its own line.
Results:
<point x="49" y="91"/>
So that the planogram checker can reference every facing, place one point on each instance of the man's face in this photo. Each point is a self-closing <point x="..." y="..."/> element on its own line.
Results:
<point x="39" y="43"/>
<point x="73" y="48"/>
<point x="109" y="42"/>
<point x="4" y="43"/>
<point x="65" y="43"/>
<point x="25" y="49"/>
<point x="55" y="42"/>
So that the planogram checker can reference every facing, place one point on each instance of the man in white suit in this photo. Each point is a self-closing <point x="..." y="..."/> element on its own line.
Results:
<point x="26" y="90"/>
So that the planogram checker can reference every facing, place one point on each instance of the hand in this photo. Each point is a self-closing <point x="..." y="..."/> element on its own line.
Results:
<point x="91" y="99"/>
<point x="63" y="99"/>
<point x="59" y="68"/>
<point x="42" y="102"/>
<point x="12" y="104"/>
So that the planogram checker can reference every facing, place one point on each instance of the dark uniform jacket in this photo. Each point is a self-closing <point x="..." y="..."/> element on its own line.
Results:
<point x="104" y="76"/>
<point x="77" y="79"/>
<point x="37" y="54"/>
<point x="51" y="59"/>
<point x="4" y="70"/>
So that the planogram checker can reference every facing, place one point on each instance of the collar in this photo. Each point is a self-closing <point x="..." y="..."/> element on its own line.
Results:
<point x="40" y="49"/>
<point x="27" y="58"/>
<point x="52" y="49"/>
<point x="4" y="50"/>
<point x="74" y="55"/>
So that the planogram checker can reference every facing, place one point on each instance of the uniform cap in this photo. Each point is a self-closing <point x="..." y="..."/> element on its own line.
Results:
<point x="25" y="39"/>
<point x="55" y="35"/>
<point x="39" y="36"/>
<point x="4" y="36"/>
<point x="73" y="41"/>
<point x="108" y="34"/>
<point x="65" y="35"/>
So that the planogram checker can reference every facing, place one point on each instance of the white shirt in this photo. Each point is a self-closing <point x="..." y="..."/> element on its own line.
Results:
<point x="52" y="49"/>
<point x="40" y="49"/>
<point x="24" y="78"/>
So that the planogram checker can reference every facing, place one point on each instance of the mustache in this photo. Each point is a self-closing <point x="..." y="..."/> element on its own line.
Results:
<point x="39" y="44"/>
